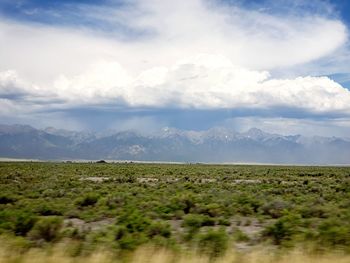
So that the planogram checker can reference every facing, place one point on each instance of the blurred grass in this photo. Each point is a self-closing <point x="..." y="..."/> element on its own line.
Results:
<point x="147" y="254"/>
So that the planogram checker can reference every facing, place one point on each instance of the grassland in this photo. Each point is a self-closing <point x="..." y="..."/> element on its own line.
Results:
<point x="217" y="211"/>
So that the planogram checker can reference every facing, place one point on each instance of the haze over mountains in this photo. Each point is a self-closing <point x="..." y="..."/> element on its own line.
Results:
<point x="213" y="145"/>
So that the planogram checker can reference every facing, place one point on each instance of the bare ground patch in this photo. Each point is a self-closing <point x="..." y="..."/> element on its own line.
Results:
<point x="81" y="225"/>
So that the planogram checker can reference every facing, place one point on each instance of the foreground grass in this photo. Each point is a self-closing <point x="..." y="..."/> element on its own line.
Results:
<point x="158" y="255"/>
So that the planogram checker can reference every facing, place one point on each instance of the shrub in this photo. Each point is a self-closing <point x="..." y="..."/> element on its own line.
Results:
<point x="130" y="241"/>
<point x="212" y="210"/>
<point x="283" y="229"/>
<point x="193" y="221"/>
<point x="317" y="211"/>
<point x="275" y="208"/>
<point x="214" y="242"/>
<point x="159" y="229"/>
<point x="186" y="202"/>
<point x="134" y="222"/>
<point x="7" y="199"/>
<point x="120" y="232"/>
<point x="333" y="233"/>
<point x="47" y="228"/>
<point x="7" y="220"/>
<point x="24" y="223"/>
<point x="248" y="204"/>
<point x="245" y="210"/>
<point x="138" y="224"/>
<point x="48" y="210"/>
<point x="240" y="236"/>
<point x="89" y="199"/>
<point x="224" y="222"/>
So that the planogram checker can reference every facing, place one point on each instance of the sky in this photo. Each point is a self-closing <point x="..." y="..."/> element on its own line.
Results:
<point x="279" y="65"/>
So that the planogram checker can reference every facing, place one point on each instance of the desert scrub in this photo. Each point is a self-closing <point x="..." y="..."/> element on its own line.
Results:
<point x="213" y="242"/>
<point x="46" y="228"/>
<point x="176" y="204"/>
<point x="283" y="230"/>
<point x="87" y="200"/>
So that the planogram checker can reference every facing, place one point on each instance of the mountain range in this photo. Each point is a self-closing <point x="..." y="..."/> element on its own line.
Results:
<point x="216" y="145"/>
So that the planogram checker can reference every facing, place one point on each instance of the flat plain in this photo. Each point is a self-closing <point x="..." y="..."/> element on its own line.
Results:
<point x="211" y="209"/>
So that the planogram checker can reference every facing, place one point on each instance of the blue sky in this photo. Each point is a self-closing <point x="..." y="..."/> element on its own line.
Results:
<point x="282" y="66"/>
<point x="62" y="12"/>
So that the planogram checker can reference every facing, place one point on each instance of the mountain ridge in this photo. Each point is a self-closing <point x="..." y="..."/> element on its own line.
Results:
<point x="218" y="144"/>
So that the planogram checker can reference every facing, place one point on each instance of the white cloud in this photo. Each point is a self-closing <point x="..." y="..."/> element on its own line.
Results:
<point x="53" y="67"/>
<point x="206" y="81"/>
<point x="7" y="107"/>
<point x="202" y="81"/>
<point x="250" y="39"/>
<point x="12" y="85"/>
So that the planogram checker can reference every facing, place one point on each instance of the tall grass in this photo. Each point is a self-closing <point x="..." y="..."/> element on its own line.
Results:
<point x="158" y="255"/>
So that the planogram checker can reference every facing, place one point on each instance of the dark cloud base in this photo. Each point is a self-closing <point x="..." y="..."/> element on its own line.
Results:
<point x="188" y="119"/>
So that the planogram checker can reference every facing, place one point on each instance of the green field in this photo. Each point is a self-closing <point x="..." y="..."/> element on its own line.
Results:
<point x="208" y="208"/>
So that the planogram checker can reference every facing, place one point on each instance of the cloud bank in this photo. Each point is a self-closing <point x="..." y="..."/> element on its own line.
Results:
<point x="200" y="82"/>
<point x="192" y="54"/>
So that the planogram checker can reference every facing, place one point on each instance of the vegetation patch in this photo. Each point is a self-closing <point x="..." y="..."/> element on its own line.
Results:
<point x="208" y="208"/>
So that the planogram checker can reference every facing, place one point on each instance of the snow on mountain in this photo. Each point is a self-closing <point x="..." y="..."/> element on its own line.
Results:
<point x="218" y="144"/>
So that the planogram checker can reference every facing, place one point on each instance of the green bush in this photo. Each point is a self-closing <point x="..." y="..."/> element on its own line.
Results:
<point x="130" y="241"/>
<point x="224" y="222"/>
<point x="275" y="208"/>
<point x="240" y="236"/>
<point x="334" y="233"/>
<point x="120" y="232"/>
<point x="248" y="204"/>
<point x="46" y="228"/>
<point x="159" y="229"/>
<point x="283" y="229"/>
<point x="212" y="210"/>
<point x="127" y="238"/>
<point x="7" y="218"/>
<point x="87" y="200"/>
<point x="213" y="242"/>
<point x="46" y="209"/>
<point x="7" y="199"/>
<point x="135" y="222"/>
<point x="313" y="211"/>
<point x="193" y="221"/>
<point x="24" y="223"/>
<point x="186" y="202"/>
<point x="208" y="221"/>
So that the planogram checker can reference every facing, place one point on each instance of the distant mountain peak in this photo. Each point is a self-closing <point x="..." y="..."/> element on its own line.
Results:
<point x="218" y="144"/>
<point x="15" y="128"/>
<point x="256" y="133"/>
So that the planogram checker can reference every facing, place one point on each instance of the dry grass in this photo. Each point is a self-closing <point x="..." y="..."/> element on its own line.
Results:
<point x="154" y="255"/>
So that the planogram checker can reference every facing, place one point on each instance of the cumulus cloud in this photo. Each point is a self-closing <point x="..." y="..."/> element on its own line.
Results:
<point x="193" y="54"/>
<point x="12" y="85"/>
<point x="202" y="81"/>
